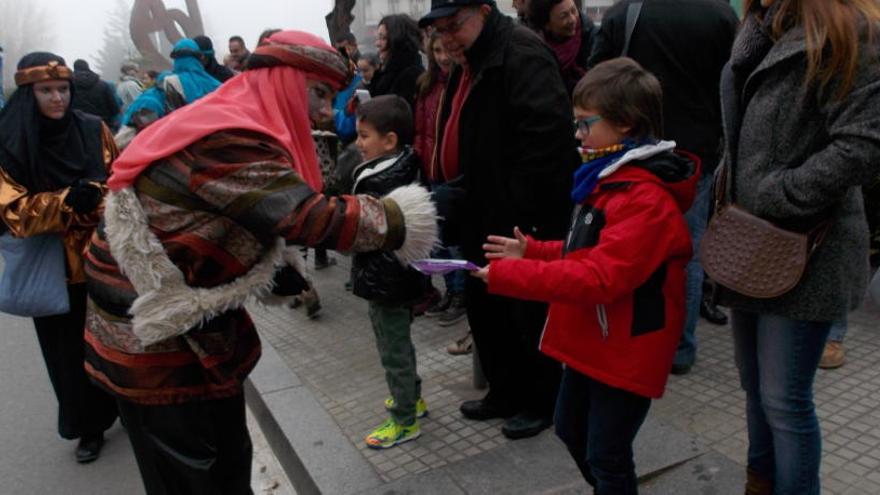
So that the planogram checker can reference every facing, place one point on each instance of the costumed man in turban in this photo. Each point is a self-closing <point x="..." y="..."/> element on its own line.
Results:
<point x="53" y="165"/>
<point x="202" y="204"/>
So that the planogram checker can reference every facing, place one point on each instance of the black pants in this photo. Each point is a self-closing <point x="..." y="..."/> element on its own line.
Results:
<point x="83" y="408"/>
<point x="197" y="448"/>
<point x="507" y="332"/>
<point x="598" y="423"/>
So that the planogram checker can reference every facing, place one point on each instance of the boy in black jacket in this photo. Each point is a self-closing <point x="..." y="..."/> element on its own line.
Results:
<point x="384" y="133"/>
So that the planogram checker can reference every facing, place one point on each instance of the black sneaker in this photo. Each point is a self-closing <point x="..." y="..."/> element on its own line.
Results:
<point x="440" y="306"/>
<point x="456" y="312"/>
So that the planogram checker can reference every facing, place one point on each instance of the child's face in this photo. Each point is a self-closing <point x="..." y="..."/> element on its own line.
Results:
<point x="599" y="133"/>
<point x="371" y="143"/>
<point x="367" y="70"/>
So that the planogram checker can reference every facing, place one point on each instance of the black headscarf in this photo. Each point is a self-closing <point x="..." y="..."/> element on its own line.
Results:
<point x="44" y="154"/>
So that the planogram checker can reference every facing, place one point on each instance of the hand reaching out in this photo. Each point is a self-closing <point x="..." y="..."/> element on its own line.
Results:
<point x="500" y="247"/>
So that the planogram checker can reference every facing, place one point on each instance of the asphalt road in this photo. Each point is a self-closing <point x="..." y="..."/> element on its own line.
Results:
<point x="33" y="458"/>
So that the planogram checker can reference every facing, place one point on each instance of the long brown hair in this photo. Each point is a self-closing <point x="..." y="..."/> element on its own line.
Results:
<point x="833" y="30"/>
<point x="428" y="78"/>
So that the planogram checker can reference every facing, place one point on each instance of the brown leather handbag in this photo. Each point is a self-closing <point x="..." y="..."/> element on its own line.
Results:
<point x="750" y="255"/>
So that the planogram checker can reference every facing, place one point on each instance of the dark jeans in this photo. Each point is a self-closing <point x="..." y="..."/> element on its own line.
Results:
<point x="777" y="359"/>
<point x="197" y="448"/>
<point x="598" y="424"/>
<point x="83" y="408"/>
<point x="697" y="219"/>
<point x="506" y="333"/>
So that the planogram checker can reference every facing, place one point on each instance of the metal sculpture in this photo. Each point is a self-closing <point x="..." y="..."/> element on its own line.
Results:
<point x="339" y="19"/>
<point x="149" y="17"/>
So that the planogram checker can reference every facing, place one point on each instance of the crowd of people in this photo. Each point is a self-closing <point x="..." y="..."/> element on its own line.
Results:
<point x="579" y="167"/>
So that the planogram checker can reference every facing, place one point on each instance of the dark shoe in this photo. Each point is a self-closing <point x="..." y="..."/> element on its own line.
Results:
<point x="312" y="302"/>
<point x="681" y="369"/>
<point x="325" y="263"/>
<point x="482" y="409"/>
<point x="348" y="286"/>
<point x="429" y="299"/>
<point x="757" y="485"/>
<point x="456" y="312"/>
<point x="525" y="425"/>
<point x="440" y="306"/>
<point x="89" y="448"/>
<point x="712" y="314"/>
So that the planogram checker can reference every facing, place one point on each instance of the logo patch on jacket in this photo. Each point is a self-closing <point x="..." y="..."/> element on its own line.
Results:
<point x="586" y="226"/>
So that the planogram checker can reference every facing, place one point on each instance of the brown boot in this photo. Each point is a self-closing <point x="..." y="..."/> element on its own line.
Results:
<point x="757" y="485"/>
<point x="833" y="356"/>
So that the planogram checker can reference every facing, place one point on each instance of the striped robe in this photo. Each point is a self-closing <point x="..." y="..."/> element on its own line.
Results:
<point x="217" y="207"/>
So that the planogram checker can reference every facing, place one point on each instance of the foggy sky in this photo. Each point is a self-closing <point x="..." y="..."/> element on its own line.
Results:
<point x="79" y="25"/>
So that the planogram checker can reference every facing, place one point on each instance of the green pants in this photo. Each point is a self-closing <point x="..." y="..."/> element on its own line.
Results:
<point x="393" y="339"/>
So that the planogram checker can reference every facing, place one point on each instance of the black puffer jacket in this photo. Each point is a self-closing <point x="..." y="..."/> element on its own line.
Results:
<point x="378" y="276"/>
<point x="95" y="96"/>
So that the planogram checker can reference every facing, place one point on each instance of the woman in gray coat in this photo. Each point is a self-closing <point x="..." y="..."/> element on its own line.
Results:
<point x="802" y="129"/>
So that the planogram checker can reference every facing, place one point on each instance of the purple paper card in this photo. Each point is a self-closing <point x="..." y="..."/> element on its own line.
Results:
<point x="440" y="267"/>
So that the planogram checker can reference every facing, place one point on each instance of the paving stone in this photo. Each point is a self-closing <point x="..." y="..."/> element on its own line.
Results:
<point x="335" y="357"/>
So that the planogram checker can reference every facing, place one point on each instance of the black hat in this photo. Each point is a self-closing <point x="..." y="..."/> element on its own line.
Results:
<point x="446" y="8"/>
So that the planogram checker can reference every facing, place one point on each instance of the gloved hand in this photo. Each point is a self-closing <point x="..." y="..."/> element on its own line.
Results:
<point x="83" y="197"/>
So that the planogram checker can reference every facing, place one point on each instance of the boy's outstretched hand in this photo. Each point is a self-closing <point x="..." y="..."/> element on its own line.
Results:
<point x="504" y="247"/>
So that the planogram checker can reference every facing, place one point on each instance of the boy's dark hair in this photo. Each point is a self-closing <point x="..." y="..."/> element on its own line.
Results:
<point x="237" y="38"/>
<point x="372" y="59"/>
<point x="624" y="94"/>
<point x="388" y="113"/>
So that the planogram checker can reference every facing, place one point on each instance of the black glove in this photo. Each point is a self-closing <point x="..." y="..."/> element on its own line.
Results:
<point x="83" y="197"/>
<point x="288" y="282"/>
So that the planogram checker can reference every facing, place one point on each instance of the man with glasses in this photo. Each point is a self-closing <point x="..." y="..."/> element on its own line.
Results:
<point x="505" y="134"/>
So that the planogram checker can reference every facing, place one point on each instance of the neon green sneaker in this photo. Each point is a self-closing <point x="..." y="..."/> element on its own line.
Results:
<point x="421" y="407"/>
<point x="390" y="433"/>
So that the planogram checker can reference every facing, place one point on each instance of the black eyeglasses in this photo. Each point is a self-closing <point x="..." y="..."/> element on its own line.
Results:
<point x="583" y="125"/>
<point x="454" y="26"/>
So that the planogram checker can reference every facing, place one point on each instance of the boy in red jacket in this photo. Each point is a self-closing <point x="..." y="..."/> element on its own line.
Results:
<point x="616" y="284"/>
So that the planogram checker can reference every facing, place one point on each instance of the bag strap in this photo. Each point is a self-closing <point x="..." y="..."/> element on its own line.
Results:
<point x="633" y="11"/>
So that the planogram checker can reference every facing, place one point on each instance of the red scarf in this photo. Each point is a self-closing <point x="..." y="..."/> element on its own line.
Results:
<point x="449" y="154"/>
<point x="271" y="100"/>
<point x="567" y="52"/>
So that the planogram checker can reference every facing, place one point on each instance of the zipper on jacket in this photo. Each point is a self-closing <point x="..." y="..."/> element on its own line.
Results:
<point x="602" y="316"/>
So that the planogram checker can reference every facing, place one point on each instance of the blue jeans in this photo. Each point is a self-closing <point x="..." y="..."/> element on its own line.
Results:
<point x="838" y="330"/>
<point x="697" y="218"/>
<point x="777" y="359"/>
<point x="454" y="280"/>
<point x="598" y="424"/>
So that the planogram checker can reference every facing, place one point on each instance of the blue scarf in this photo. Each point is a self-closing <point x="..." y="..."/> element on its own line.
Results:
<point x="587" y="176"/>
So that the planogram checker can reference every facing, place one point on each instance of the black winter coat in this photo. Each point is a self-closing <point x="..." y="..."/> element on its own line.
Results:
<point x="516" y="140"/>
<point x="398" y="77"/>
<point x="378" y="276"/>
<point x="94" y="96"/>
<point x="685" y="43"/>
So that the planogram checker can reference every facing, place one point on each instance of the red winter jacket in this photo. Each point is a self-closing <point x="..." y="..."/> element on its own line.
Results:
<point x="617" y="289"/>
<point x="425" y="120"/>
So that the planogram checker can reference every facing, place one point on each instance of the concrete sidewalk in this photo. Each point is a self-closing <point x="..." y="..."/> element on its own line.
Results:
<point x="324" y="388"/>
